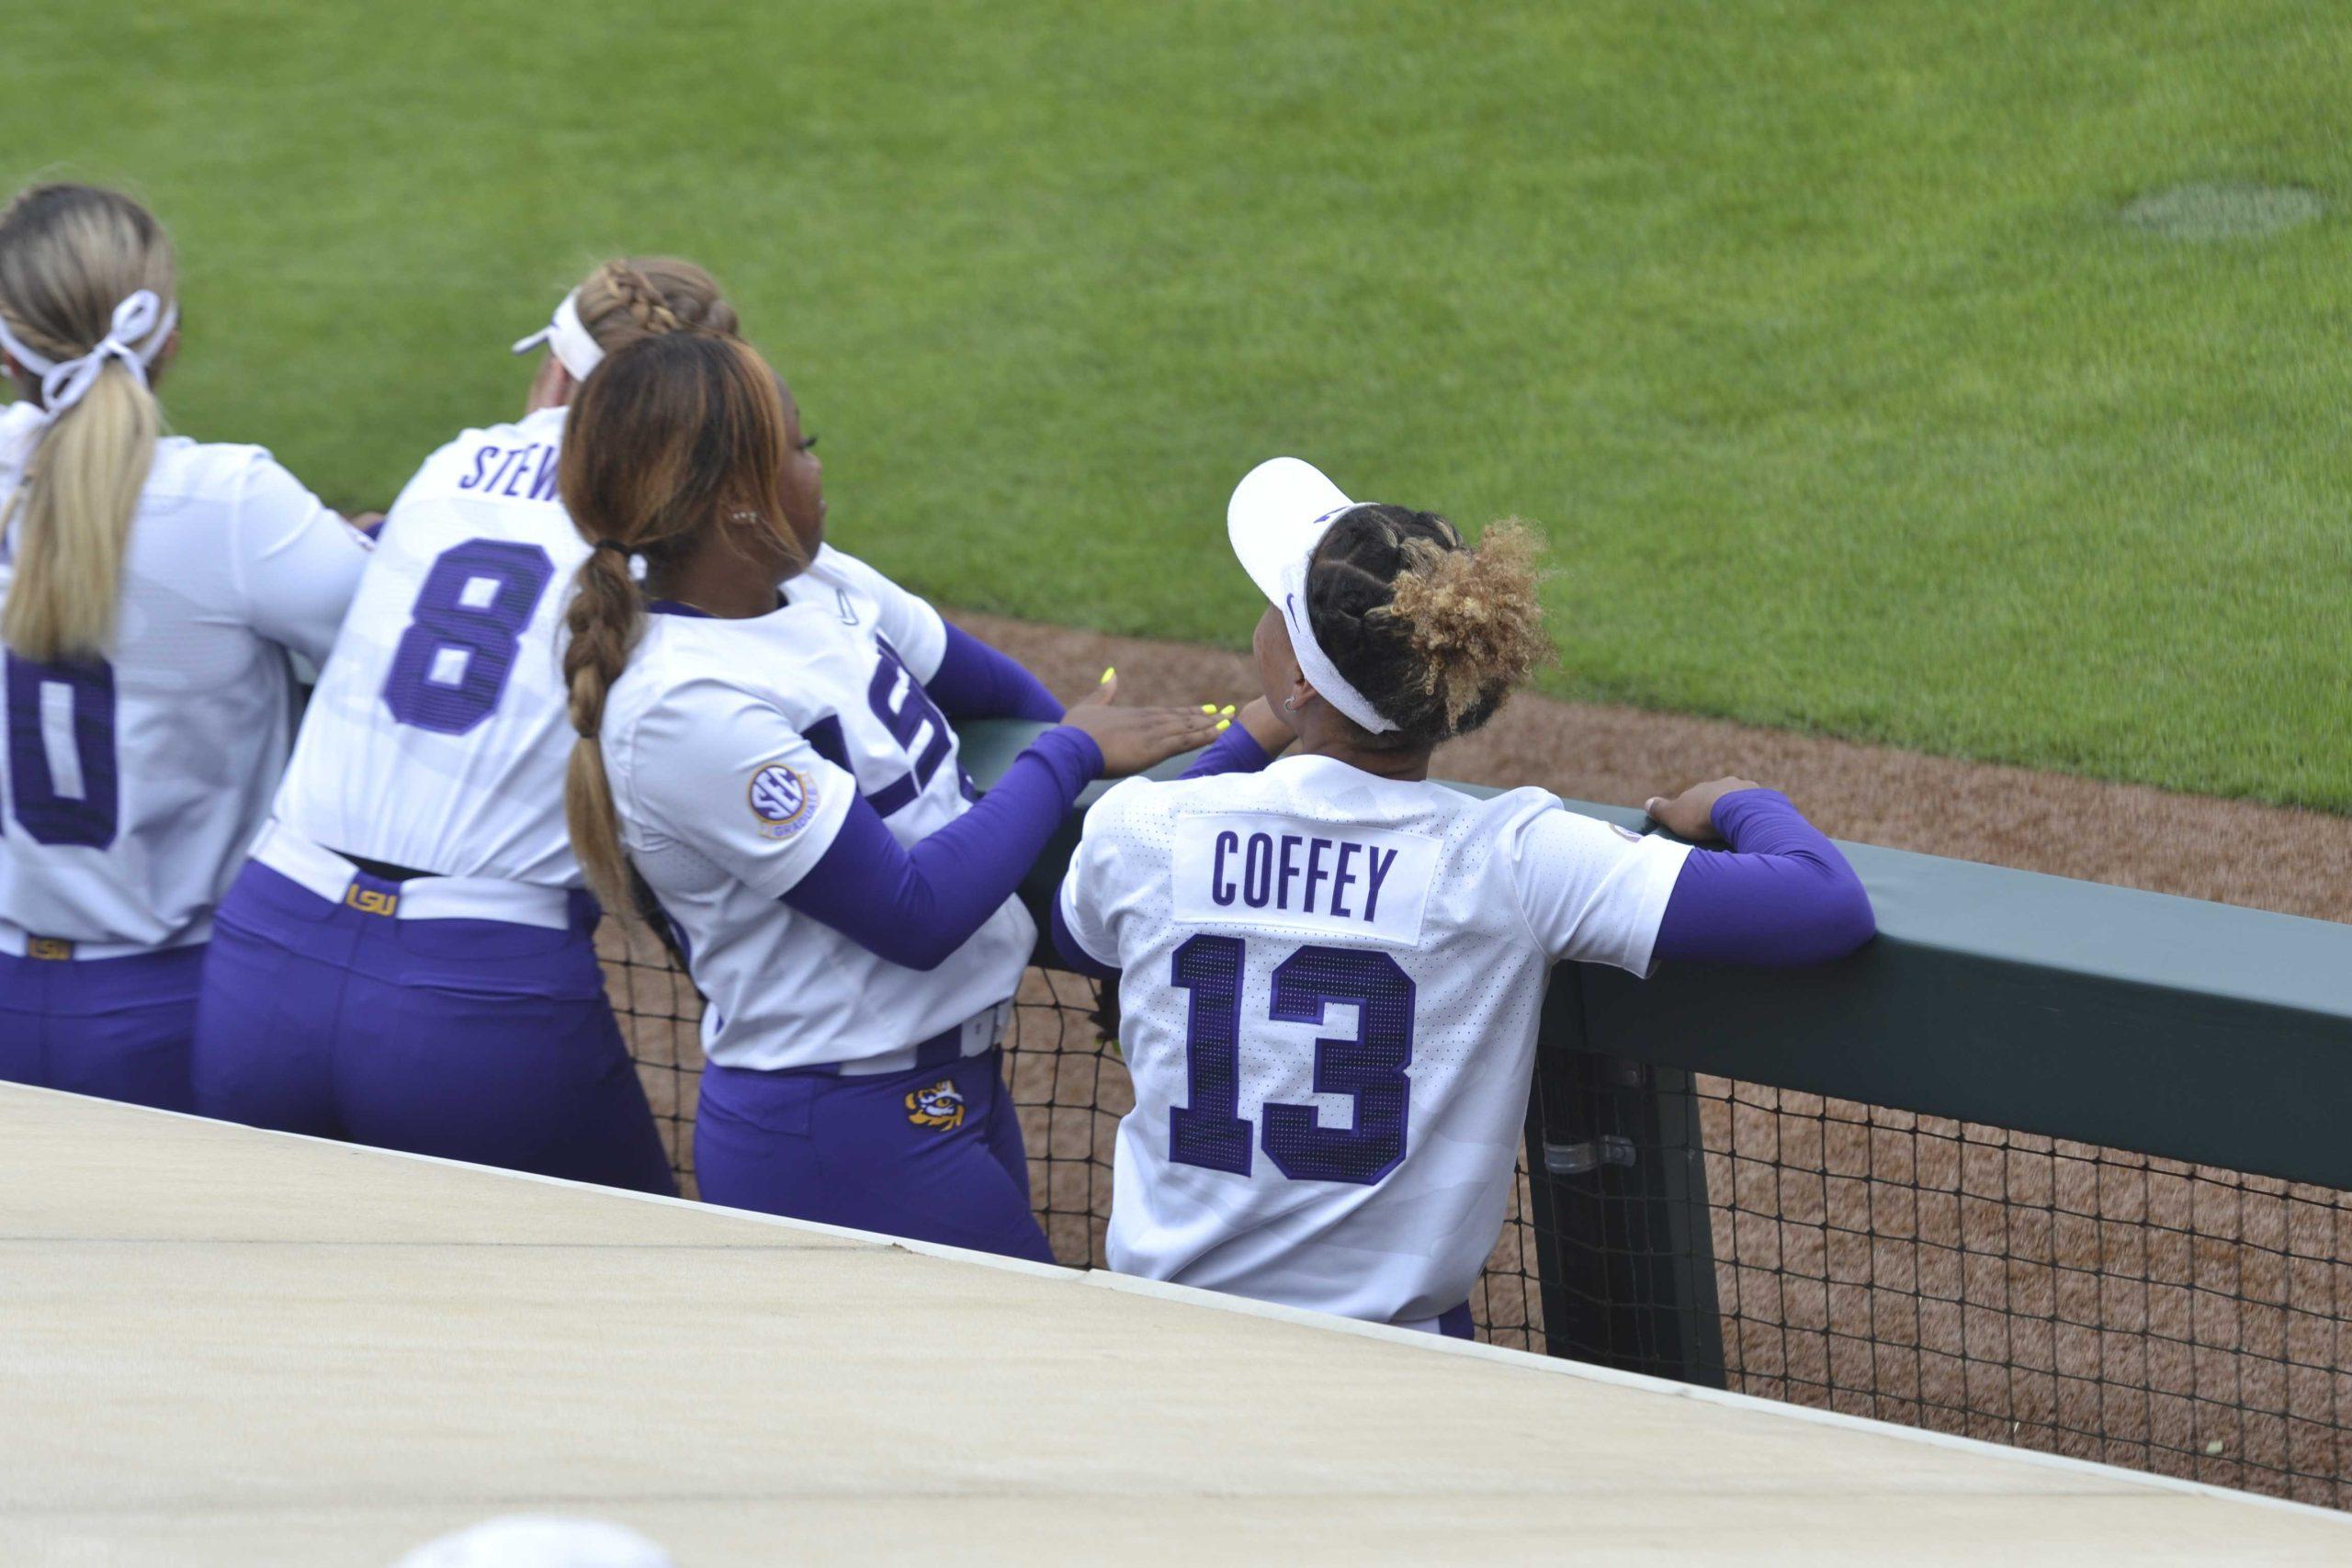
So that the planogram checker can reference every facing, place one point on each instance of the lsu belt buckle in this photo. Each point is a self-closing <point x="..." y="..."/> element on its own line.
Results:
<point x="54" y="948"/>
<point x="369" y="901"/>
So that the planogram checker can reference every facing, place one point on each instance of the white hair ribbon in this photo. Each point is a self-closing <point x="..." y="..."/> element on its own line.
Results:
<point x="142" y="319"/>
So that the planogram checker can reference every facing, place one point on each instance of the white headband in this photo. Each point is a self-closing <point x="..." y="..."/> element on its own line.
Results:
<point x="574" y="349"/>
<point x="141" y="319"/>
<point x="1321" y="673"/>
<point x="1278" y="515"/>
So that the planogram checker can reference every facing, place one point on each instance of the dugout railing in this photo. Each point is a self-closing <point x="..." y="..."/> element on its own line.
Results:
<point x="2049" y="1162"/>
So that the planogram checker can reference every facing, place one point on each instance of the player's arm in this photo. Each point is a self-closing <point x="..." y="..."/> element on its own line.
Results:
<point x="1781" y="895"/>
<point x="915" y="906"/>
<point x="715" y="768"/>
<point x="1083" y="933"/>
<point x="297" y="560"/>
<point x="1250" y="743"/>
<point x="965" y="677"/>
<point x="975" y="680"/>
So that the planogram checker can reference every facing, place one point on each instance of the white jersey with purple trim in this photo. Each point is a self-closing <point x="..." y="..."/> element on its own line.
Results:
<point x="129" y="787"/>
<point x="438" y="736"/>
<point x="734" y="748"/>
<point x="1328" y="1002"/>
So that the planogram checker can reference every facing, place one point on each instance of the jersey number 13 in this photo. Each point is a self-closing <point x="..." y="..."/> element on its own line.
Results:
<point x="1210" y="1131"/>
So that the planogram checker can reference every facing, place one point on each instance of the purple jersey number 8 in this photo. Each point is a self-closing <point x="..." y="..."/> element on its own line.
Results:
<point x="1211" y="1133"/>
<point x="464" y="632"/>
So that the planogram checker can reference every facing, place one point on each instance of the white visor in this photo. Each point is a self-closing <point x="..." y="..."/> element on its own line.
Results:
<point x="573" y="347"/>
<point x="1280" y="512"/>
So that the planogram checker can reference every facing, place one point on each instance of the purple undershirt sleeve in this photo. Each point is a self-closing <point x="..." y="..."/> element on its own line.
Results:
<point x="1781" y="895"/>
<point x="916" y="907"/>
<point x="1235" y="751"/>
<point x="975" y="680"/>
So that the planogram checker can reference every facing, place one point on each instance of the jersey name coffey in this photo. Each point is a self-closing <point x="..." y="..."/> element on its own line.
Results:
<point x="1331" y="985"/>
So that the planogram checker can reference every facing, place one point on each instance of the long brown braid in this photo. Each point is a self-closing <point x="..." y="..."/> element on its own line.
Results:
<point x="673" y="436"/>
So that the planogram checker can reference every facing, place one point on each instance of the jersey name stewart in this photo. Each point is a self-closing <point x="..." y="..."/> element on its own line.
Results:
<point x="131" y="785"/>
<point x="1329" y="991"/>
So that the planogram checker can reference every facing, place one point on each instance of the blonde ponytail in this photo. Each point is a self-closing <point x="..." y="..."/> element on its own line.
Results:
<point x="71" y="257"/>
<point x="72" y="513"/>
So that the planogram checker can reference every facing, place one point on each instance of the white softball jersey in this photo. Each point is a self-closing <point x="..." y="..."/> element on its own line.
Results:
<point x="734" y="749"/>
<point x="1329" y="992"/>
<point x="439" y="734"/>
<point x="129" y="786"/>
<point x="436" y="738"/>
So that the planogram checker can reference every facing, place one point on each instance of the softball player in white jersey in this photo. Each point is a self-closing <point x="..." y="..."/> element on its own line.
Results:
<point x="1330" y="968"/>
<point x="155" y="588"/>
<point x="756" y="746"/>
<point x="409" y="959"/>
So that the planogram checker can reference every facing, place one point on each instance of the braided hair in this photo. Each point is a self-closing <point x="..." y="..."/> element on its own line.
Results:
<point x="631" y="297"/>
<point x="1433" y="633"/>
<point x="673" y="436"/>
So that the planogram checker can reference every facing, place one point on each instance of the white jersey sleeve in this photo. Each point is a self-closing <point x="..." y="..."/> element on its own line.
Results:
<point x="295" y="560"/>
<point x="715" y="768"/>
<point x="906" y="620"/>
<point x="1590" y="891"/>
<point x="134" y="783"/>
<point x="1091" y="889"/>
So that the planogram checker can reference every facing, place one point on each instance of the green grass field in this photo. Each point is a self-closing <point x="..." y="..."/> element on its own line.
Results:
<point x="1807" y="328"/>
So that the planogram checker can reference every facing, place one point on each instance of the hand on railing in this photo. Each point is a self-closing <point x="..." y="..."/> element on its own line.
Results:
<point x="1134" y="738"/>
<point x="1691" y="813"/>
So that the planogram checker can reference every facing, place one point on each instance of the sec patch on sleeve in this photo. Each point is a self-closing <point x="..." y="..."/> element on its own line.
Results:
<point x="784" y="800"/>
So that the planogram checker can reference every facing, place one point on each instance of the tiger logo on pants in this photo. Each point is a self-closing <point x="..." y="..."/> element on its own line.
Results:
<point x="939" y="1106"/>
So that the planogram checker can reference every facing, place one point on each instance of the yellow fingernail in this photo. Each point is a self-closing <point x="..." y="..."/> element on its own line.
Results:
<point x="1106" y="676"/>
<point x="1227" y="710"/>
<point x="1208" y="707"/>
<point x="1223" y="724"/>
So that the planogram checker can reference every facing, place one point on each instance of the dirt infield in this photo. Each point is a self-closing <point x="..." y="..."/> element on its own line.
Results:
<point x="1967" y="1279"/>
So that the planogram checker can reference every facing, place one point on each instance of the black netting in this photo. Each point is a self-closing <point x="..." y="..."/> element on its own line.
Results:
<point x="1958" y="1278"/>
<point x="1965" y="1278"/>
<point x="1071" y="1088"/>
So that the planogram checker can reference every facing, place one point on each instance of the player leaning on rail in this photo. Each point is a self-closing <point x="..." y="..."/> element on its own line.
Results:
<point x="154" y="587"/>
<point x="409" y="958"/>
<point x="754" y="743"/>
<point x="1255" y="905"/>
